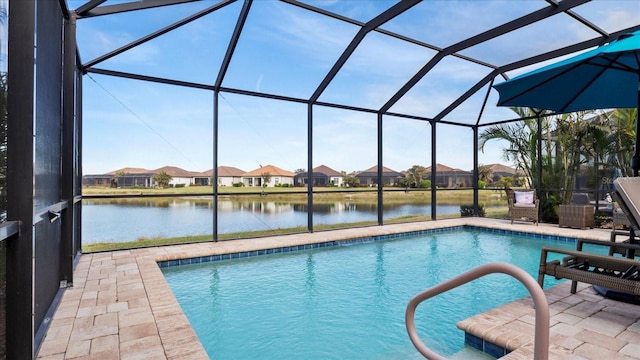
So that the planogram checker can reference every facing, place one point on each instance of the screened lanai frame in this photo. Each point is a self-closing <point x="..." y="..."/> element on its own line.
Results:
<point x="376" y="25"/>
<point x="45" y="120"/>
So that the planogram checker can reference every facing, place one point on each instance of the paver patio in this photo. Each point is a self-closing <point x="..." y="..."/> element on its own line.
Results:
<point x="121" y="307"/>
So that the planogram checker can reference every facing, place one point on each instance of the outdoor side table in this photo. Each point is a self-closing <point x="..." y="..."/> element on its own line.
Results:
<point x="577" y="216"/>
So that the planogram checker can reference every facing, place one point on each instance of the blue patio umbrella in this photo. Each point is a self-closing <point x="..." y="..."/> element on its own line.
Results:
<point x="607" y="77"/>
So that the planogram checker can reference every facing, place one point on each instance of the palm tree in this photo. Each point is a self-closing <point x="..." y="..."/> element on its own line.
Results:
<point x="574" y="138"/>
<point x="521" y="137"/>
<point x="162" y="179"/>
<point x="485" y="174"/>
<point x="622" y="139"/>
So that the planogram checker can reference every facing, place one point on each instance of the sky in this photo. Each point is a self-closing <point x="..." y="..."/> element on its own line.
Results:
<point x="287" y="51"/>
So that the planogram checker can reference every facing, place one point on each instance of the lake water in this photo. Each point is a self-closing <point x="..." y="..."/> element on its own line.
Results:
<point x="119" y="220"/>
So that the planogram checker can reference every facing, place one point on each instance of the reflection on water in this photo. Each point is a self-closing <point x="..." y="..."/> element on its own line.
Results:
<point x="118" y="220"/>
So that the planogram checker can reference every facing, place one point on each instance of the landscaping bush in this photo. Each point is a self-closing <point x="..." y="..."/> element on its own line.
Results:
<point x="550" y="207"/>
<point x="467" y="210"/>
<point x="425" y="184"/>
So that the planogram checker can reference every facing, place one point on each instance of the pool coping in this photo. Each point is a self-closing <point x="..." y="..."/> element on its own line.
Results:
<point x="120" y="305"/>
<point x="345" y="242"/>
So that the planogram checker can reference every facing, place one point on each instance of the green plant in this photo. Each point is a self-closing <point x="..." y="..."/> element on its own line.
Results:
<point x="425" y="184"/>
<point x="550" y="207"/>
<point x="601" y="218"/>
<point x="467" y="210"/>
<point x="162" y="179"/>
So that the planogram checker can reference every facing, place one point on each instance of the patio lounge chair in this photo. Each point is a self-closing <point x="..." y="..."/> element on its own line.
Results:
<point x="523" y="204"/>
<point x="612" y="272"/>
<point x="616" y="273"/>
<point x="622" y="216"/>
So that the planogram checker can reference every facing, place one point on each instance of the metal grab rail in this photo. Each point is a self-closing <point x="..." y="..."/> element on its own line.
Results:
<point x="541" y="340"/>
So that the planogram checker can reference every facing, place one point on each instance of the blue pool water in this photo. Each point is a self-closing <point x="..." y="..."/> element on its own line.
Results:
<point x="348" y="302"/>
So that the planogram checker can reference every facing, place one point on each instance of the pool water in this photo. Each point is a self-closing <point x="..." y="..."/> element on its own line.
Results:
<point x="348" y="302"/>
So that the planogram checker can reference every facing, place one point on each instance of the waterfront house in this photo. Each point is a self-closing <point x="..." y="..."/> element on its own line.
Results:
<point x="179" y="177"/>
<point x="229" y="175"/>
<point x="369" y="177"/>
<point x="448" y="177"/>
<point x="276" y="177"/>
<point x="322" y="176"/>
<point x="132" y="177"/>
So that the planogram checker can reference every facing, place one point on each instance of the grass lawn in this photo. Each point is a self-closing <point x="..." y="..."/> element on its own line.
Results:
<point x="444" y="196"/>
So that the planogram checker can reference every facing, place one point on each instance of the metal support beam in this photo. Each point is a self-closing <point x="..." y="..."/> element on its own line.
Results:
<point x="214" y="175"/>
<point x="67" y="192"/>
<point x="380" y="173"/>
<point x="433" y="170"/>
<point x="20" y="175"/>
<point x="310" y="167"/>
<point x="242" y="18"/>
<point x="389" y="14"/>
<point x="91" y="9"/>
<point x="155" y="34"/>
<point x="587" y="44"/>
<point x="84" y="9"/>
<point x="480" y="38"/>
<point x="487" y="79"/>
<point x="476" y="208"/>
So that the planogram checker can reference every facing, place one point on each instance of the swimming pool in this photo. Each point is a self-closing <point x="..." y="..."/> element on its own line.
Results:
<point x="348" y="302"/>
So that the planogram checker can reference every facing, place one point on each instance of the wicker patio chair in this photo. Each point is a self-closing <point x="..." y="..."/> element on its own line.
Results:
<point x="519" y="210"/>
<point x="578" y="214"/>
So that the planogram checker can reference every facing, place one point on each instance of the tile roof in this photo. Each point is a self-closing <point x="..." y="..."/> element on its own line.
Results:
<point x="174" y="171"/>
<point x="374" y="169"/>
<point x="271" y="169"/>
<point x="499" y="168"/>
<point x="326" y="170"/>
<point x="230" y="171"/>
<point x="444" y="168"/>
<point x="224" y="171"/>
<point x="129" y="170"/>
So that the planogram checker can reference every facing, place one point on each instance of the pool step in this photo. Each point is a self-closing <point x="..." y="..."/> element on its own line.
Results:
<point x="469" y="353"/>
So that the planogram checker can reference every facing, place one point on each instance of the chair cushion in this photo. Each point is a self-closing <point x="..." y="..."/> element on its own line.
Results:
<point x="521" y="205"/>
<point x="524" y="197"/>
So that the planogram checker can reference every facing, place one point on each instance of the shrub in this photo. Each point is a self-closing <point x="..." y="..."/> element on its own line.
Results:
<point x="550" y="207"/>
<point x="467" y="210"/>
<point x="238" y="184"/>
<point x="425" y="184"/>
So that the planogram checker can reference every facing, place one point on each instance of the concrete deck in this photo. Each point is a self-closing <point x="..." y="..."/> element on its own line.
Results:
<point x="121" y="307"/>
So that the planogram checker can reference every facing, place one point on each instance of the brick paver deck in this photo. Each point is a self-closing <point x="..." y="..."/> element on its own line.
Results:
<point x="121" y="307"/>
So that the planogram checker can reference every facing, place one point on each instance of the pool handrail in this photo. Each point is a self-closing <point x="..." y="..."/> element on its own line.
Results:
<point x="541" y="340"/>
